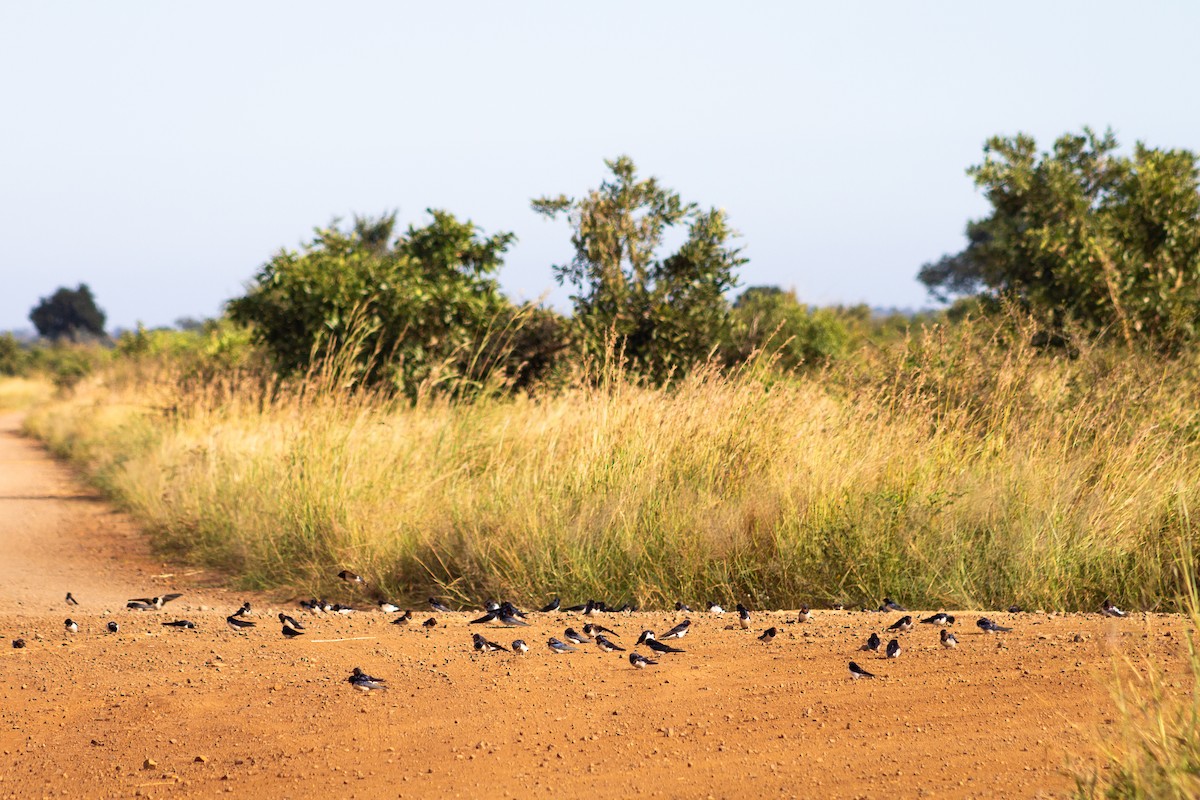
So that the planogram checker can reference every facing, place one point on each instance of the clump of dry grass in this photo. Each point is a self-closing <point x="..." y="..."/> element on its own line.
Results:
<point x="18" y="392"/>
<point x="958" y="468"/>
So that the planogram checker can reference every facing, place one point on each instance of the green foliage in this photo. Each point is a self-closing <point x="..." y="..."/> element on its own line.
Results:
<point x="67" y="363"/>
<point x="413" y="311"/>
<point x="665" y="313"/>
<point x="1084" y="234"/>
<point x="767" y="318"/>
<point x="69" y="314"/>
<point x="14" y="360"/>
<point x="201" y="350"/>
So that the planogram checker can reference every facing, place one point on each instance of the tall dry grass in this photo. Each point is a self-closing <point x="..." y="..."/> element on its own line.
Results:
<point x="958" y="468"/>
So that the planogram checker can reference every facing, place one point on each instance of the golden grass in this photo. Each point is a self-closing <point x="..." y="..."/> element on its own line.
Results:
<point x="19" y="393"/>
<point x="959" y="469"/>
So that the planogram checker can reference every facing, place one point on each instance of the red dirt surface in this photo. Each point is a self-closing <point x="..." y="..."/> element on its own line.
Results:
<point x="152" y="711"/>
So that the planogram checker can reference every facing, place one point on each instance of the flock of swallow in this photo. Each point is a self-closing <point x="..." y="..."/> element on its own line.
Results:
<point x="508" y="615"/>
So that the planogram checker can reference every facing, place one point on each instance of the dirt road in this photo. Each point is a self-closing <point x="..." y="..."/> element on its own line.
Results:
<point x="152" y="711"/>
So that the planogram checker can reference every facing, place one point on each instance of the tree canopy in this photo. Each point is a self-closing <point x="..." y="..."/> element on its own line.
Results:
<point x="68" y="314"/>
<point x="1086" y="234"/>
<point x="666" y="312"/>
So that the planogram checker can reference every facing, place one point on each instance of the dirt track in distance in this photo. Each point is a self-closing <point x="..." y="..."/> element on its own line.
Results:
<point x="153" y="711"/>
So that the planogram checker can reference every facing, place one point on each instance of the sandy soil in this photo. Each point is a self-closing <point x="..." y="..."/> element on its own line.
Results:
<point x="152" y="711"/>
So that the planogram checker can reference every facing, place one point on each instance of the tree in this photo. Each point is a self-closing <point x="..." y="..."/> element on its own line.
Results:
<point x="1083" y="234"/>
<point x="667" y="313"/>
<point x="412" y="310"/>
<point x="767" y="318"/>
<point x="68" y="314"/>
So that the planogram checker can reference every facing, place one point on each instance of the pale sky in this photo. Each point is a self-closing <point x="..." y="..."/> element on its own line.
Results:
<point x="162" y="151"/>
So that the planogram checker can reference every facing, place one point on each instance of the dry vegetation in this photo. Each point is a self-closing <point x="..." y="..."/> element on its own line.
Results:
<point x="958" y="468"/>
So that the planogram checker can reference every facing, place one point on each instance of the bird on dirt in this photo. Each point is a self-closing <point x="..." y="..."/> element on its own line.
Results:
<point x="891" y="605"/>
<point x="1110" y="610"/>
<point x="804" y="615"/>
<point x="743" y="617"/>
<point x="505" y="613"/>
<point x="940" y="618"/>
<point x="239" y="624"/>
<point x="520" y="646"/>
<point x="289" y="632"/>
<point x="647" y="638"/>
<point x="715" y="609"/>
<point x="607" y="646"/>
<point x="552" y="606"/>
<point x="71" y="601"/>
<point x="893" y="649"/>
<point x="594" y="629"/>
<point x="388" y="608"/>
<point x="680" y="606"/>
<point x="857" y="672"/>
<point x="1014" y="609"/>
<point x="484" y="646"/>
<point x="902" y="625"/>
<point x="71" y="626"/>
<point x="639" y="661"/>
<point x="988" y="626"/>
<point x="949" y="640"/>
<point x="679" y="631"/>
<point x="437" y="605"/>
<point x="560" y="647"/>
<point x="574" y="637"/>
<point x="182" y="624"/>
<point x="403" y="619"/>
<point x="361" y="680"/>
<point x="288" y="620"/>
<point x="768" y="635"/>
<point x="244" y="610"/>
<point x="350" y="577"/>
<point x="429" y="623"/>
<point x="872" y="645"/>
<point x="112" y="627"/>
<point x="147" y="603"/>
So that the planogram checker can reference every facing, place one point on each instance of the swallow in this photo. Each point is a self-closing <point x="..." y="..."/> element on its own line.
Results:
<point x="805" y="614"/>
<point x="430" y="623"/>
<point x="640" y="661"/>
<point x="484" y="646"/>
<point x="713" y="608"/>
<point x="1110" y="610"/>
<point x="147" y="603"/>
<point x="488" y="617"/>
<point x="893" y="649"/>
<point x="437" y="606"/>
<point x="681" y="607"/>
<point x="607" y="646"/>
<point x="112" y="627"/>
<point x="872" y="645"/>
<point x="578" y="608"/>
<point x="940" y="618"/>
<point x="71" y="626"/>
<point x="243" y="611"/>
<point x="287" y="620"/>
<point x="552" y="606"/>
<point x="1014" y="609"/>
<point x="626" y="609"/>
<point x="559" y="647"/>
<point x="574" y="637"/>
<point x="648" y="639"/>
<point x="857" y="672"/>
<point x="290" y="632"/>
<point x="403" y="619"/>
<point x="182" y="624"/>
<point x="388" y="608"/>
<point x="71" y="601"/>
<point x="891" y="605"/>
<point x="768" y="635"/>
<point x="18" y="644"/>
<point x="592" y="608"/>
<point x="338" y="608"/>
<point x="519" y="646"/>
<point x="350" y="577"/>
<point x="679" y="631"/>
<point x="949" y="640"/>
<point x="988" y="626"/>
<point x="743" y="617"/>
<point x="903" y="624"/>
<point x="592" y="629"/>
<point x="361" y="680"/>
<point x="313" y="605"/>
<point x="239" y="624"/>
